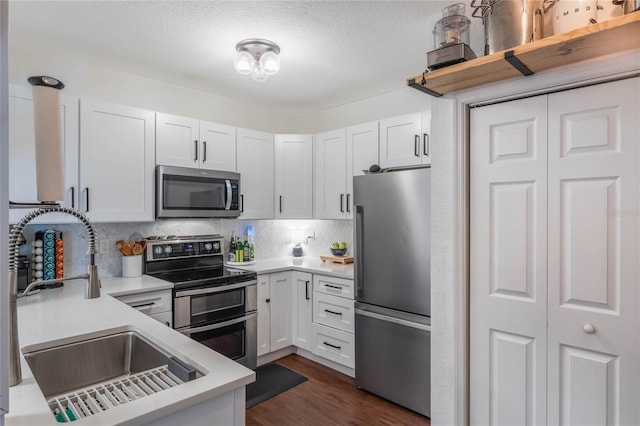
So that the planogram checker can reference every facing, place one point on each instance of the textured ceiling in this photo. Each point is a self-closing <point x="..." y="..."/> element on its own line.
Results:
<point x="333" y="52"/>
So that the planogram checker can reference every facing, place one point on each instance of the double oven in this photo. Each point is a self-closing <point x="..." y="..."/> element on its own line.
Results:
<point x="212" y="304"/>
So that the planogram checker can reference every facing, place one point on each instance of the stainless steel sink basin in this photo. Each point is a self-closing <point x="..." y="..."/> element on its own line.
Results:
<point x="63" y="368"/>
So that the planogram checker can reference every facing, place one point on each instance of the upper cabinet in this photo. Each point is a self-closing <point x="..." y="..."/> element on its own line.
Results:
<point x="339" y="155"/>
<point x="404" y="140"/>
<point x="117" y="161"/>
<point x="294" y="176"/>
<point x="256" y="157"/>
<point x="186" y="142"/>
<point x="22" y="164"/>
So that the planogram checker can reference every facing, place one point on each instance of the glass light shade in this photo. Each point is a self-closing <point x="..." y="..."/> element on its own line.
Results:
<point x="270" y="63"/>
<point x="244" y="62"/>
<point x="258" y="74"/>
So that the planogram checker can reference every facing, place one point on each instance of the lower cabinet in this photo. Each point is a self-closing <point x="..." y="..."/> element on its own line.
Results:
<point x="275" y="306"/>
<point x="156" y="304"/>
<point x="333" y="319"/>
<point x="302" y="308"/>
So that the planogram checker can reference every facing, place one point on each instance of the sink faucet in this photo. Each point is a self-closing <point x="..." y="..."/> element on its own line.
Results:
<point x="92" y="290"/>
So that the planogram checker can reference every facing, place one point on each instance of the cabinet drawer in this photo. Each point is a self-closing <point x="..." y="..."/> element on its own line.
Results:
<point x="149" y="303"/>
<point x="334" y="286"/>
<point x="336" y="345"/>
<point x="332" y="311"/>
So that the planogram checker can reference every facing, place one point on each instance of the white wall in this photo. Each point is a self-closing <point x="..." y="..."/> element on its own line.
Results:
<point x="86" y="80"/>
<point x="4" y="212"/>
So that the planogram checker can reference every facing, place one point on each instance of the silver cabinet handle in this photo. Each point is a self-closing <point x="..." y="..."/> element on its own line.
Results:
<point x="195" y="143"/>
<point x="425" y="144"/>
<point x="589" y="328"/>
<point x="416" y="146"/>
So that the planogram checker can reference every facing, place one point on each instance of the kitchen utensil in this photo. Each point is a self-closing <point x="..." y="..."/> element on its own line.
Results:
<point x="119" y="244"/>
<point x="572" y="14"/>
<point x="126" y="249"/>
<point x="137" y="249"/>
<point x="510" y="23"/>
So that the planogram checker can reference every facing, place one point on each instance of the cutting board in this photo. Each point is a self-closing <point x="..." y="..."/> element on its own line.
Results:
<point x="337" y="259"/>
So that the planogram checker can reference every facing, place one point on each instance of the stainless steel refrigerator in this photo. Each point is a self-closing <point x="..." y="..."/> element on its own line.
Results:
<point x="393" y="286"/>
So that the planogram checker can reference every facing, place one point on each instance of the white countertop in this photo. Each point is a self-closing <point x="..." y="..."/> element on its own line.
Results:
<point x="63" y="313"/>
<point x="304" y="264"/>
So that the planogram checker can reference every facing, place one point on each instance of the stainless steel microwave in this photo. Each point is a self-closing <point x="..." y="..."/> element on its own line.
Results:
<point x="190" y="193"/>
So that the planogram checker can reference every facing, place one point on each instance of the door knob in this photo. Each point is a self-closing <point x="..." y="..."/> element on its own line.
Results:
<point x="589" y="328"/>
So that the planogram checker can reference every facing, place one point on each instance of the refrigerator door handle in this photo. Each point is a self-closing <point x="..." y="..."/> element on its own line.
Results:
<point x="393" y="320"/>
<point x="359" y="271"/>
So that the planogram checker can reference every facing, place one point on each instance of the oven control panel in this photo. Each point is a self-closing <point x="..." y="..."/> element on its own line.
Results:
<point x="157" y="250"/>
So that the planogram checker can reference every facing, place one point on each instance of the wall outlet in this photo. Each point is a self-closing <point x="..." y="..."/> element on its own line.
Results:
<point x="105" y="246"/>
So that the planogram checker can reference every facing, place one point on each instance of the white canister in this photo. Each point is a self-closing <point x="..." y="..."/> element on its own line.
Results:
<point x="132" y="266"/>
<point x="572" y="14"/>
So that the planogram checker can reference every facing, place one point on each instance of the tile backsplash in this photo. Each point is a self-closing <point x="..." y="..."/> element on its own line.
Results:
<point x="273" y="238"/>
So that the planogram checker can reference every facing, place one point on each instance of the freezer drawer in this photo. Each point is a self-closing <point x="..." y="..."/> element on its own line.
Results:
<point x="333" y="311"/>
<point x="393" y="358"/>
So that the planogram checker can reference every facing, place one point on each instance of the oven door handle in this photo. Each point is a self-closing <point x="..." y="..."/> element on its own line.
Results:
<point x="219" y="324"/>
<point x="211" y="290"/>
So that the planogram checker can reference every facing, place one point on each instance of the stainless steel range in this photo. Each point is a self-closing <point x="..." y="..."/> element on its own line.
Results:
<point x="213" y="305"/>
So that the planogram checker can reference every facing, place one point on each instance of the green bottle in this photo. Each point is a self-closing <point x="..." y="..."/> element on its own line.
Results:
<point x="239" y="251"/>
<point x="246" y="255"/>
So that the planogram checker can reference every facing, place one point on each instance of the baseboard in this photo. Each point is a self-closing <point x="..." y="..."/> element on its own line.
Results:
<point x="281" y="353"/>
<point x="326" y="362"/>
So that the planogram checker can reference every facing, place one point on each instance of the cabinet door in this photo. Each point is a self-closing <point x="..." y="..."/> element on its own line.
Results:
<point x="362" y="153"/>
<point x="217" y="147"/>
<point x="330" y="149"/>
<point x="117" y="157"/>
<point x="302" y="305"/>
<point x="176" y="140"/>
<point x="280" y="292"/>
<point x="508" y="263"/>
<point x="294" y="176"/>
<point x="256" y="156"/>
<point x="400" y="141"/>
<point x="264" y="315"/>
<point x="22" y="157"/>
<point x="593" y="298"/>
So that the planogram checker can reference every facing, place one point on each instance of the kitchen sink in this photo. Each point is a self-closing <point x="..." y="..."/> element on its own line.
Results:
<point x="93" y="373"/>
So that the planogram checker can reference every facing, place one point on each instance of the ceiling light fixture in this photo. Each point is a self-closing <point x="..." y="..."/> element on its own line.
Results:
<point x="257" y="57"/>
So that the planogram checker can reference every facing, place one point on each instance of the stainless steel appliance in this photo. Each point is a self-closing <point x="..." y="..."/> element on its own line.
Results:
<point x="450" y="38"/>
<point x="393" y="291"/>
<point x="213" y="305"/>
<point x="186" y="192"/>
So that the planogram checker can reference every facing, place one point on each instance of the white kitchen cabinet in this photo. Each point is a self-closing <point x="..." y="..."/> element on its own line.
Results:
<point x="339" y="155"/>
<point x="404" y="140"/>
<point x="256" y="165"/>
<point x="117" y="161"/>
<point x="333" y="319"/>
<point x="187" y="142"/>
<point x="275" y="307"/>
<point x="302" y="310"/>
<point x="554" y="299"/>
<point x="156" y="304"/>
<point x="294" y="176"/>
<point x="22" y="157"/>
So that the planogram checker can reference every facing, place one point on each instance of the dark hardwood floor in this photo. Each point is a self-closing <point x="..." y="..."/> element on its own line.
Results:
<point x="328" y="398"/>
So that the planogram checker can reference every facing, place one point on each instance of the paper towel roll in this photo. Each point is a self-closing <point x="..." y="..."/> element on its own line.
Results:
<point x="48" y="134"/>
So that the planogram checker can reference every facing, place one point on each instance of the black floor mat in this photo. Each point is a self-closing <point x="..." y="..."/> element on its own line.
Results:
<point x="271" y="379"/>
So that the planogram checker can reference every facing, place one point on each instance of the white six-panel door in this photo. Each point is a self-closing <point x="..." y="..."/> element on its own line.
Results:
<point x="508" y="263"/>
<point x="594" y="239"/>
<point x="555" y="253"/>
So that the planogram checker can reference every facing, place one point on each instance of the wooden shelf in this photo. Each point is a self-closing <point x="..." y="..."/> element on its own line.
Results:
<point x="615" y="35"/>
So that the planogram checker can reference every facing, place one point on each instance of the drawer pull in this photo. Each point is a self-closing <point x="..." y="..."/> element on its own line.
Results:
<point x="333" y="312"/>
<point x="333" y="346"/>
<point x="337" y="287"/>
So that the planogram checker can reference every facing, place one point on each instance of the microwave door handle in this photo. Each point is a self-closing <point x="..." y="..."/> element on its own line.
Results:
<point x="229" y="195"/>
